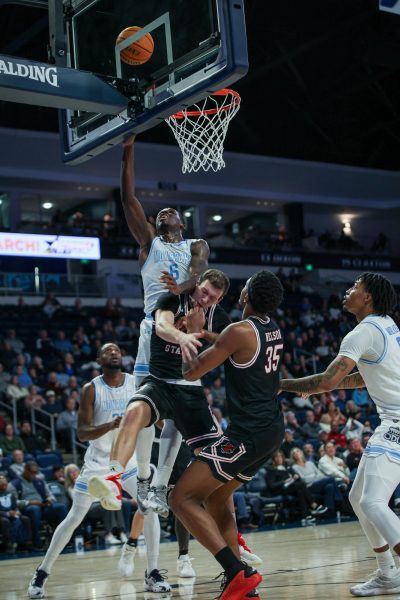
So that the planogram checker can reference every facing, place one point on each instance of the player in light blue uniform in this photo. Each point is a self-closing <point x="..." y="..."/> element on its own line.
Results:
<point x="167" y="262"/>
<point x="374" y="348"/>
<point x="103" y="404"/>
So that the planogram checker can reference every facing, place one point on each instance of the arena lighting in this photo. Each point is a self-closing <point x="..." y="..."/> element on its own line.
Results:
<point x="187" y="214"/>
<point x="47" y="205"/>
<point x="217" y="218"/>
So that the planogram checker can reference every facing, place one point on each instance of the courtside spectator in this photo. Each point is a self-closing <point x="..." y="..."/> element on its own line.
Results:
<point x="36" y="502"/>
<point x="332" y="466"/>
<point x="14" y="527"/>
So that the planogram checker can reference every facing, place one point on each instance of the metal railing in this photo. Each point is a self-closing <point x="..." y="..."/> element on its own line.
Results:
<point x="38" y="284"/>
<point x="51" y="427"/>
<point x="75" y="444"/>
<point x="13" y="410"/>
<point x="311" y="358"/>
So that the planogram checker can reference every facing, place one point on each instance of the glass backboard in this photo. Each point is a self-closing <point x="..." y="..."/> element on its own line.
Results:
<point x="199" y="47"/>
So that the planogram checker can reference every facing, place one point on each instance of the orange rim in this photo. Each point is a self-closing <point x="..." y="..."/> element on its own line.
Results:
<point x="210" y="111"/>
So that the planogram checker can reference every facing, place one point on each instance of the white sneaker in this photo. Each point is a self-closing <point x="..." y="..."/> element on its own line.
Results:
<point x="107" y="489"/>
<point x="36" y="586"/>
<point x="184" y="566"/>
<point x="378" y="585"/>
<point x="155" y="582"/>
<point x="123" y="537"/>
<point x="111" y="540"/>
<point x="126" y="563"/>
<point x="246" y="555"/>
<point x="157" y="501"/>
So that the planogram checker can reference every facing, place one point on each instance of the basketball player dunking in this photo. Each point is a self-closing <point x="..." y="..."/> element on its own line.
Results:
<point x="251" y="351"/>
<point x="167" y="261"/>
<point x="101" y="408"/>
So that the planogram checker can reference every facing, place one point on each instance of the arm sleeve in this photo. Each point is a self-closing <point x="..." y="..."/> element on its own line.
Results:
<point x="365" y="341"/>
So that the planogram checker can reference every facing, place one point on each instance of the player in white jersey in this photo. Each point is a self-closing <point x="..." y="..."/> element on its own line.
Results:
<point x="374" y="347"/>
<point x="167" y="261"/>
<point x="102" y="406"/>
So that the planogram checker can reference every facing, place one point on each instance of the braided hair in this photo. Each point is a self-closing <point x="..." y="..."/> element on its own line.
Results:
<point x="384" y="296"/>
<point x="265" y="292"/>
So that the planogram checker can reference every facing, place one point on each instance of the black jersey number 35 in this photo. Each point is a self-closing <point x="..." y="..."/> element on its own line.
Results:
<point x="273" y="354"/>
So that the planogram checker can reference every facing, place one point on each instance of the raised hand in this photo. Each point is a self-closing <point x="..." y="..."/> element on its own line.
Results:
<point x="170" y="283"/>
<point x="189" y="344"/>
<point x="116" y="422"/>
<point x="195" y="319"/>
<point x="128" y="141"/>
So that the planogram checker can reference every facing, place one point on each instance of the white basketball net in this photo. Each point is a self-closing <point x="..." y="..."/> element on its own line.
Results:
<point x="200" y="130"/>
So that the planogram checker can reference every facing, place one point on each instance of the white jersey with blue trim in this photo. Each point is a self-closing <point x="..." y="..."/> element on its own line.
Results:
<point x="374" y="344"/>
<point x="174" y="257"/>
<point x="109" y="403"/>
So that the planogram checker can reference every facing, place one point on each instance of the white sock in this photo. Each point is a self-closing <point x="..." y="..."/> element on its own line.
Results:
<point x="170" y="442"/>
<point x="386" y="563"/>
<point x="63" y="533"/>
<point x="116" y="466"/>
<point x="151" y="530"/>
<point x="144" y="445"/>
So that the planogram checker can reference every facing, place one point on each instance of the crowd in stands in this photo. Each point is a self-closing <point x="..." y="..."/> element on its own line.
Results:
<point x="49" y="351"/>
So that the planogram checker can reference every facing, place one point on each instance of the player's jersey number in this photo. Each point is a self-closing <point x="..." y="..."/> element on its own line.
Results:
<point x="174" y="270"/>
<point x="273" y="355"/>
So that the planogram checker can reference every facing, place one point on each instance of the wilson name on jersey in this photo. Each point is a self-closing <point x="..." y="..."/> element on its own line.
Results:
<point x="165" y="358"/>
<point x="251" y="388"/>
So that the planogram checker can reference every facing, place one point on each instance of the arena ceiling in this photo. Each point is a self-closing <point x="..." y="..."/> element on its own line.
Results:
<point x="323" y="84"/>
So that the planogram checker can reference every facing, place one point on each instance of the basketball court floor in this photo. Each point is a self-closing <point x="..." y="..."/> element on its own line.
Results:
<point x="310" y="563"/>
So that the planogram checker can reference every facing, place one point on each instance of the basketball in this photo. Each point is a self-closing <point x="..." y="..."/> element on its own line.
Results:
<point x="138" y="52"/>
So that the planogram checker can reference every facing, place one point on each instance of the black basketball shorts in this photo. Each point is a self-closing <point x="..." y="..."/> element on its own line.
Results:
<point x="186" y="405"/>
<point x="234" y="458"/>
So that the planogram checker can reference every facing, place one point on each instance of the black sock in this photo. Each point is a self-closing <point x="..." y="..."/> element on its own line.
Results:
<point x="182" y="552"/>
<point x="132" y="542"/>
<point x="229" y="562"/>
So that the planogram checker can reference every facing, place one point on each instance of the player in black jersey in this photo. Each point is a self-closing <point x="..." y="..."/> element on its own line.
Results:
<point x="251" y="351"/>
<point x="164" y="394"/>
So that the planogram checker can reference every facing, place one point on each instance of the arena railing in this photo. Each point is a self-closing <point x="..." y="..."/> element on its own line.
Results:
<point x="39" y="423"/>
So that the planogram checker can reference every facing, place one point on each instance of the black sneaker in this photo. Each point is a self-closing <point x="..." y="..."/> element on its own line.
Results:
<point x="36" y="586"/>
<point x="155" y="582"/>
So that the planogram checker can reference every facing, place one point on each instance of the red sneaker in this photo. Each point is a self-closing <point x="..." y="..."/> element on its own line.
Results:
<point x="246" y="555"/>
<point x="243" y="583"/>
<point x="108" y="490"/>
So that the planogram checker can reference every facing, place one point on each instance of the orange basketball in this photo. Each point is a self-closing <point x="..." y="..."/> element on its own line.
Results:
<point x="138" y="52"/>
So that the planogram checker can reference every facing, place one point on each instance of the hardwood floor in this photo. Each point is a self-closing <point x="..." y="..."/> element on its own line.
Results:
<point x="310" y="563"/>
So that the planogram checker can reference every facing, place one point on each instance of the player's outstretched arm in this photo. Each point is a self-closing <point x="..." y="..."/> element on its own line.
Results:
<point x="227" y="343"/>
<point x="166" y="330"/>
<point x="134" y="213"/>
<point x="86" y="430"/>
<point x="322" y="382"/>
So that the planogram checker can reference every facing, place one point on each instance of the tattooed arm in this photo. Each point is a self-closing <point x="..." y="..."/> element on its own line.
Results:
<point x="331" y="379"/>
<point x="352" y="381"/>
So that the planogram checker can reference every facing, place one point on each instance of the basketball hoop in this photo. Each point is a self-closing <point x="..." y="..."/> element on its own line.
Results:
<point x="200" y="130"/>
